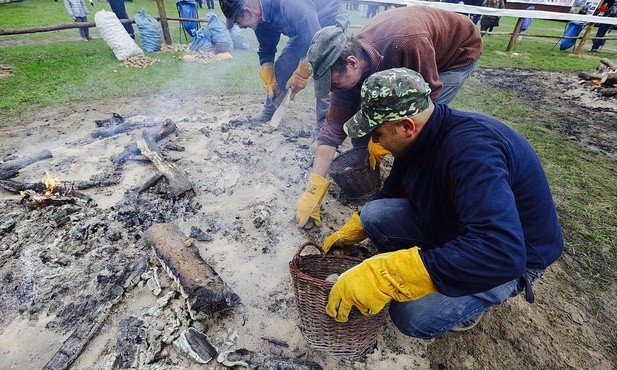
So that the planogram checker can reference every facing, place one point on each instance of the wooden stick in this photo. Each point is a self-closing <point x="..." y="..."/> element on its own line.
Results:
<point x="179" y="184"/>
<point x="609" y="79"/>
<point x="120" y="128"/>
<point x="609" y="63"/>
<point x="8" y="31"/>
<point x="589" y="76"/>
<point x="169" y="127"/>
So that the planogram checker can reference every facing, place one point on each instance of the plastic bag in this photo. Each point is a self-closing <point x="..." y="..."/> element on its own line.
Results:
<point x="221" y="39"/>
<point x="201" y="40"/>
<point x="150" y="31"/>
<point x="115" y="35"/>
<point x="239" y="38"/>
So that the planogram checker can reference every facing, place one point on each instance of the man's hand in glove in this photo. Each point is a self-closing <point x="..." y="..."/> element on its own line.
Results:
<point x="369" y="286"/>
<point x="269" y="79"/>
<point x="348" y="235"/>
<point x="298" y="79"/>
<point x="376" y="153"/>
<point x="310" y="202"/>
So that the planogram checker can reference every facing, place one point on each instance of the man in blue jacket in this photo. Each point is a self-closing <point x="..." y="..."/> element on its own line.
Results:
<point x="299" y="20"/>
<point x="464" y="221"/>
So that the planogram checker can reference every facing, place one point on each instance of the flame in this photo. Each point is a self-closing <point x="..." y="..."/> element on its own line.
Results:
<point x="51" y="183"/>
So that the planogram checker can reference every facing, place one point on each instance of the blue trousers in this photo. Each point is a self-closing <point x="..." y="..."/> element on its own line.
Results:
<point x="83" y="31"/>
<point x="117" y="6"/>
<point x="390" y="224"/>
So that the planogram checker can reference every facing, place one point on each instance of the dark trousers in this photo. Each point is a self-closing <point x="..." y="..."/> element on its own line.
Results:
<point x="602" y="30"/>
<point x="117" y="6"/>
<point x="210" y="4"/>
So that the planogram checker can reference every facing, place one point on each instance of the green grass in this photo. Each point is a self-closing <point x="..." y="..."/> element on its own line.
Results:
<point x="49" y="70"/>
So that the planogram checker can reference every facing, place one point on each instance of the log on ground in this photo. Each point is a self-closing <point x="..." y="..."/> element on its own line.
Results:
<point x="204" y="290"/>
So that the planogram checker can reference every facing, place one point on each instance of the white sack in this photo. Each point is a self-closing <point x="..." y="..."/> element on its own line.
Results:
<point x="115" y="35"/>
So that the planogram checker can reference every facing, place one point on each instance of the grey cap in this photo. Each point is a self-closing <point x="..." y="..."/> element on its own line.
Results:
<point x="326" y="47"/>
<point x="388" y="96"/>
<point x="230" y="9"/>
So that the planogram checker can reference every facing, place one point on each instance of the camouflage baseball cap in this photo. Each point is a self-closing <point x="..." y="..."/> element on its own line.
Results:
<point x="326" y="47"/>
<point x="230" y="9"/>
<point x="388" y="96"/>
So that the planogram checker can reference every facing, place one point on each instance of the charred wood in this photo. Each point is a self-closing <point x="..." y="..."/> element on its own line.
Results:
<point x="609" y="91"/>
<point x="87" y="329"/>
<point x="9" y="169"/>
<point x="119" y="128"/>
<point x="16" y="187"/>
<point x="150" y="182"/>
<point x="609" y="63"/>
<point x="589" y="76"/>
<point x="34" y="200"/>
<point x="167" y="129"/>
<point x="179" y="184"/>
<point x="204" y="290"/>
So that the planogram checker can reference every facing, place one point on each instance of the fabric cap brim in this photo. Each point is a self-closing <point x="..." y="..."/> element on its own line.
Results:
<point x="322" y="85"/>
<point x="230" y="23"/>
<point x="357" y="126"/>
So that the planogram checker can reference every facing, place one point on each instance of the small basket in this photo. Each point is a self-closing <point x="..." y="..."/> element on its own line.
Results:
<point x="358" y="335"/>
<point x="351" y="172"/>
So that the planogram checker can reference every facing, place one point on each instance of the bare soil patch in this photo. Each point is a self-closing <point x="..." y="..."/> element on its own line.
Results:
<point x="247" y="178"/>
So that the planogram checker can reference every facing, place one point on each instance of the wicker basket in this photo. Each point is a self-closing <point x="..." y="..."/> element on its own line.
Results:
<point x="351" y="172"/>
<point x="354" y="338"/>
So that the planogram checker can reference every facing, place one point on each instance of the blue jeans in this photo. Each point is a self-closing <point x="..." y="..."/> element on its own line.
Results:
<point x="390" y="224"/>
<point x="453" y="81"/>
<point x="83" y="31"/>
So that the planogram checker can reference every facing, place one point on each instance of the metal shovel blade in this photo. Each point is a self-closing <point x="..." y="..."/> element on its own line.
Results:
<point x="280" y="111"/>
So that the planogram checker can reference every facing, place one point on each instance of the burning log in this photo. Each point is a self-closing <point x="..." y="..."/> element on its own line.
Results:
<point x="34" y="200"/>
<point x="204" y="290"/>
<point x="10" y="169"/>
<point x="179" y="183"/>
<point x="16" y="187"/>
<point x="609" y="79"/>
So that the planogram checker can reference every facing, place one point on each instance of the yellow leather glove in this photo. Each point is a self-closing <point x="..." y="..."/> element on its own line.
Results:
<point x="348" y="235"/>
<point x="269" y="79"/>
<point x="369" y="286"/>
<point x="298" y="79"/>
<point x="310" y="201"/>
<point x="376" y="153"/>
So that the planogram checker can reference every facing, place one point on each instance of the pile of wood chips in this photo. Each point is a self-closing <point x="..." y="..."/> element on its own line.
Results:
<point x="138" y="61"/>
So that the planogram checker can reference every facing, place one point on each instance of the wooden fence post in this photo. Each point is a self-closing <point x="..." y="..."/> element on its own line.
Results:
<point x="517" y="30"/>
<point x="164" y="25"/>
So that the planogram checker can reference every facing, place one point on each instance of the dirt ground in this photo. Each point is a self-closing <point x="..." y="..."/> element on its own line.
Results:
<point x="246" y="178"/>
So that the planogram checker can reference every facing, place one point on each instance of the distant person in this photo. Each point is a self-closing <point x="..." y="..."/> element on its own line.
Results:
<point x="487" y="22"/>
<point x="610" y="10"/>
<point x="117" y="6"/>
<point x="78" y="11"/>
<point x="210" y="4"/>
<point x="585" y="9"/>
<point x="371" y="10"/>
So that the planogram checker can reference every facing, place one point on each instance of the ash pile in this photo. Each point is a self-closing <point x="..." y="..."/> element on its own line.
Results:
<point x="65" y="258"/>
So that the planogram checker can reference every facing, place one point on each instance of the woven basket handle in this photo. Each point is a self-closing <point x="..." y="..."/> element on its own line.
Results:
<point x="307" y="244"/>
